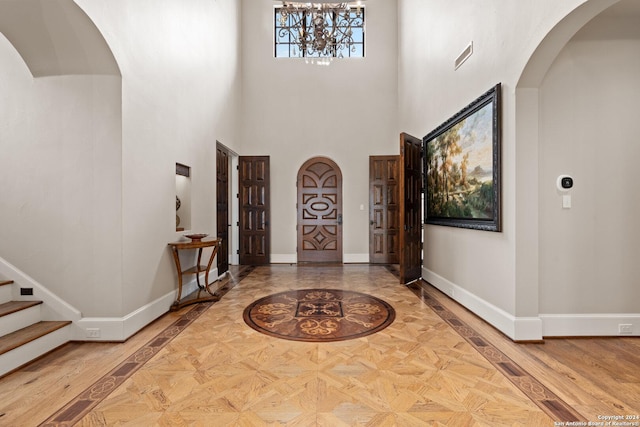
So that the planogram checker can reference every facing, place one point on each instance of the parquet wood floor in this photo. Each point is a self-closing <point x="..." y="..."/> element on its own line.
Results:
<point x="595" y="376"/>
<point x="418" y="371"/>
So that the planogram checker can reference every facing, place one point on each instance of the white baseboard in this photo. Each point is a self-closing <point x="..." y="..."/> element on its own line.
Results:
<point x="516" y="328"/>
<point x="576" y="325"/>
<point x="545" y="325"/>
<point x="120" y="328"/>
<point x="356" y="258"/>
<point x="293" y="258"/>
<point x="284" y="258"/>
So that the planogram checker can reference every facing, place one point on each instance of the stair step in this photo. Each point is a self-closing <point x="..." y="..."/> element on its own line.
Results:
<point x="30" y="333"/>
<point x="14" y="306"/>
<point x="6" y="292"/>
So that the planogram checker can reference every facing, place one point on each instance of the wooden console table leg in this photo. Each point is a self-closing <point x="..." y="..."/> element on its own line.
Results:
<point x="176" y="260"/>
<point x="214" y="252"/>
<point x="198" y="263"/>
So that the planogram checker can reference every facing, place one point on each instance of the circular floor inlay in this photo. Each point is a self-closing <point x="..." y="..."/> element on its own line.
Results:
<point x="317" y="315"/>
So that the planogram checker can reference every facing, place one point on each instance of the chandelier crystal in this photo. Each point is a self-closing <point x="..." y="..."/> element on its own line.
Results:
<point x="320" y="29"/>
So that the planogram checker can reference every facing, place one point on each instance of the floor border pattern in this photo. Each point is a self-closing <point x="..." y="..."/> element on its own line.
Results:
<point x="82" y="404"/>
<point x="545" y="399"/>
<point x="537" y="392"/>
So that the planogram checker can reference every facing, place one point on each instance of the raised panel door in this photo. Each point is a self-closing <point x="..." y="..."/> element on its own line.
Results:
<point x="254" y="235"/>
<point x="411" y="208"/>
<point x="383" y="209"/>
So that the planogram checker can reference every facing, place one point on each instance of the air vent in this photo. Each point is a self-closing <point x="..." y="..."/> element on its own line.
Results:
<point x="466" y="53"/>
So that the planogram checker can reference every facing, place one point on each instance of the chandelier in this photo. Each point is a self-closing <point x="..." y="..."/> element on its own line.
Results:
<point x="320" y="29"/>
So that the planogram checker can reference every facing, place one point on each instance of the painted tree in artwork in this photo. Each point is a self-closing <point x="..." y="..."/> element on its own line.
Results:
<point x="459" y="169"/>
<point x="432" y="183"/>
<point x="448" y="147"/>
<point x="463" y="169"/>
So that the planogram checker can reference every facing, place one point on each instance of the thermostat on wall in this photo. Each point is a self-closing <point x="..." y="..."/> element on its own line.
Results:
<point x="564" y="183"/>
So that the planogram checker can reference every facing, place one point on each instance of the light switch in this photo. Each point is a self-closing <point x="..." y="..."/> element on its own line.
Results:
<point x="361" y="207"/>
<point x="566" y="201"/>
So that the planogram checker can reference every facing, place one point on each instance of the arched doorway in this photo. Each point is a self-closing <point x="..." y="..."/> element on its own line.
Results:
<point x="319" y="209"/>
<point x="551" y="248"/>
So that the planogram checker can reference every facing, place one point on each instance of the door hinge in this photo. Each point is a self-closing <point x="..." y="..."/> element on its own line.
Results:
<point x="237" y="251"/>
<point x="237" y="195"/>
<point x="238" y="223"/>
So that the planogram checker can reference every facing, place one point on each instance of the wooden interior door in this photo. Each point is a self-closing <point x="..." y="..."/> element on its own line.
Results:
<point x="319" y="209"/>
<point x="410" y="208"/>
<point x="384" y="205"/>
<point x="222" y="207"/>
<point x="254" y="235"/>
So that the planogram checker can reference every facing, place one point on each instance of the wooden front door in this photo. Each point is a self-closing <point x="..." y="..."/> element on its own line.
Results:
<point x="222" y="207"/>
<point x="410" y="208"/>
<point x="254" y="234"/>
<point x="319" y="208"/>
<point x="384" y="208"/>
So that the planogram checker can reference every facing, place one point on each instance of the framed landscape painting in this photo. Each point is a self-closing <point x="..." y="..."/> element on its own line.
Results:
<point x="462" y="167"/>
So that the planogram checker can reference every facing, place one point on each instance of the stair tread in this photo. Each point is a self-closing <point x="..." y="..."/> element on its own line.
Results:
<point x="13" y="306"/>
<point x="28" y="334"/>
<point x="6" y="282"/>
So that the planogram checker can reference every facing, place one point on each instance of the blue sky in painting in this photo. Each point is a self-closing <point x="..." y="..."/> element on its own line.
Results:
<point x="476" y="139"/>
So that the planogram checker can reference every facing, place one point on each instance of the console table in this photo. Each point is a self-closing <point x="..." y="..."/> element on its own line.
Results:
<point x="204" y="292"/>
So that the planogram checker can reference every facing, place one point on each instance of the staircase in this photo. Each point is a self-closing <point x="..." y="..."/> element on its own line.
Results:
<point x="24" y="336"/>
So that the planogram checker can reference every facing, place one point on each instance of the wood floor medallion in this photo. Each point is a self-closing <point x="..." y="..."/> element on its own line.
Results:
<point x="319" y="315"/>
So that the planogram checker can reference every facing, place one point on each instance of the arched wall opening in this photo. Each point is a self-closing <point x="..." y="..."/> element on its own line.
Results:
<point x="61" y="125"/>
<point x="573" y="100"/>
<point x="56" y="37"/>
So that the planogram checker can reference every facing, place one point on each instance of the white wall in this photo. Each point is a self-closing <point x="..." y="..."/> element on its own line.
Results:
<point x="541" y="260"/>
<point x="588" y="129"/>
<point x="480" y="266"/>
<point x="180" y="68"/>
<point x="293" y="111"/>
<point x="88" y="185"/>
<point x="432" y="34"/>
<point x="60" y="175"/>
